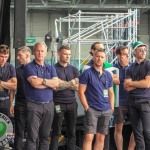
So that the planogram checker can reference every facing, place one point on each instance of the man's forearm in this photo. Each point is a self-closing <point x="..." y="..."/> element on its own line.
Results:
<point x="11" y="84"/>
<point x="64" y="85"/>
<point x="52" y="83"/>
<point x="11" y="96"/>
<point x="72" y="85"/>
<point x="140" y="84"/>
<point x="112" y="103"/>
<point x="83" y="101"/>
<point x="111" y="97"/>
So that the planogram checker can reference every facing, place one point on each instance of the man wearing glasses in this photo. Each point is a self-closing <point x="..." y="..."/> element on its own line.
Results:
<point x="137" y="83"/>
<point x="8" y="81"/>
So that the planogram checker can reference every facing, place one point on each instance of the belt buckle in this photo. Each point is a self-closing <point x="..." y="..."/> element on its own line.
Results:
<point x="45" y="102"/>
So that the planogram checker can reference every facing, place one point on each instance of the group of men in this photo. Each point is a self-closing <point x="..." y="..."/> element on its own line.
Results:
<point x="45" y="92"/>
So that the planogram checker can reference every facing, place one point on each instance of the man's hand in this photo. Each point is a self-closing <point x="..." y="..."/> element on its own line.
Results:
<point x="125" y="60"/>
<point x="115" y="79"/>
<point x="1" y="88"/>
<point x="127" y="83"/>
<point x="74" y="84"/>
<point x="11" y="110"/>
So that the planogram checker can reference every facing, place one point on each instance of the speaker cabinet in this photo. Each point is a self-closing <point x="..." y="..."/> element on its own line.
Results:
<point x="19" y="23"/>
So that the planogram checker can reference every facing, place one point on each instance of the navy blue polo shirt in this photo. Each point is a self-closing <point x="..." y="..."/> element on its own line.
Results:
<point x="90" y="63"/>
<point x="20" y="93"/>
<point x="6" y="72"/>
<point x="138" y="72"/>
<point x="122" y="91"/>
<point x="95" y="88"/>
<point x="66" y="74"/>
<point x="47" y="71"/>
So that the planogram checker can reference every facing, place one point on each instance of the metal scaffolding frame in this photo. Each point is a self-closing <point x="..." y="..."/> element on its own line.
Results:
<point x="105" y="5"/>
<point x="112" y="29"/>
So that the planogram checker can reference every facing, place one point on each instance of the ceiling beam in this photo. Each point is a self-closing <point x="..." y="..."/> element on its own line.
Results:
<point x="104" y="7"/>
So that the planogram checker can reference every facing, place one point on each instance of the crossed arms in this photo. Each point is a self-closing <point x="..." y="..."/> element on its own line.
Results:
<point x="37" y="82"/>
<point x="130" y="85"/>
<point x="11" y="85"/>
<point x="72" y="85"/>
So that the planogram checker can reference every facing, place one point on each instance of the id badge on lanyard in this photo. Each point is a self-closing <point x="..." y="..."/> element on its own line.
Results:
<point x="105" y="92"/>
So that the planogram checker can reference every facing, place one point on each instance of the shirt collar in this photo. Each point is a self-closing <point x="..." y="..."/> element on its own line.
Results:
<point x="121" y="67"/>
<point x="59" y="65"/>
<point x="97" y="72"/>
<point x="38" y="64"/>
<point x="142" y="62"/>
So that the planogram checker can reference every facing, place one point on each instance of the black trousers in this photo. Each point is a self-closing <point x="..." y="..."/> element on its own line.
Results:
<point x="4" y="107"/>
<point x="39" y="121"/>
<point x="139" y="113"/>
<point x="20" y="116"/>
<point x="69" y="113"/>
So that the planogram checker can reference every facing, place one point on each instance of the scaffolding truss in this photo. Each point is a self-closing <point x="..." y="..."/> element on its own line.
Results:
<point x="112" y="29"/>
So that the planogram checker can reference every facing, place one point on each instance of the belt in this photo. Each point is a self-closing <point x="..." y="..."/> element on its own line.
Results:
<point x="39" y="102"/>
<point x="4" y="98"/>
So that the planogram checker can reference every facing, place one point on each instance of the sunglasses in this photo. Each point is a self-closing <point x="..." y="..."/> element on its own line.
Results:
<point x="142" y="50"/>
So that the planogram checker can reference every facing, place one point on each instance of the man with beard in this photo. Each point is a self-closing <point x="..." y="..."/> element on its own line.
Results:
<point x="97" y="97"/>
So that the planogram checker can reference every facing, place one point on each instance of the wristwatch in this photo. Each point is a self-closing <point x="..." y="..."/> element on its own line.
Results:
<point x="44" y="82"/>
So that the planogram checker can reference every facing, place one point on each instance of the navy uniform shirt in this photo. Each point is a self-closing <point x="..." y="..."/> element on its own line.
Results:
<point x="138" y="72"/>
<point x="6" y="72"/>
<point x="20" y="93"/>
<point x="122" y="91"/>
<point x="48" y="72"/>
<point x="95" y="88"/>
<point x="66" y="74"/>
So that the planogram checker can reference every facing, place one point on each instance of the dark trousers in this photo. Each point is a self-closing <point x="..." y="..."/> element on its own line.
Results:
<point x="69" y="112"/>
<point x="20" y="122"/>
<point x="139" y="112"/>
<point x="4" y="107"/>
<point x="39" y="121"/>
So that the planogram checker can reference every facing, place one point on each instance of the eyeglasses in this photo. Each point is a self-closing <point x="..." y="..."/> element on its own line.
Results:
<point x="142" y="50"/>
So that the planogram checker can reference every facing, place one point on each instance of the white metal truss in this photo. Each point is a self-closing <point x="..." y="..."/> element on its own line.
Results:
<point x="112" y="29"/>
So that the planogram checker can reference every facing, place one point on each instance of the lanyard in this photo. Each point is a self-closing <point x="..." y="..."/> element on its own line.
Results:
<point x="105" y="80"/>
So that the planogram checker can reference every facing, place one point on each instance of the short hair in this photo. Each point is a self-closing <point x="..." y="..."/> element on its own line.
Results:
<point x="40" y="43"/>
<point x="24" y="49"/>
<point x="100" y="50"/>
<point x="93" y="46"/>
<point x="120" y="48"/>
<point x="64" y="47"/>
<point x="4" y="49"/>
